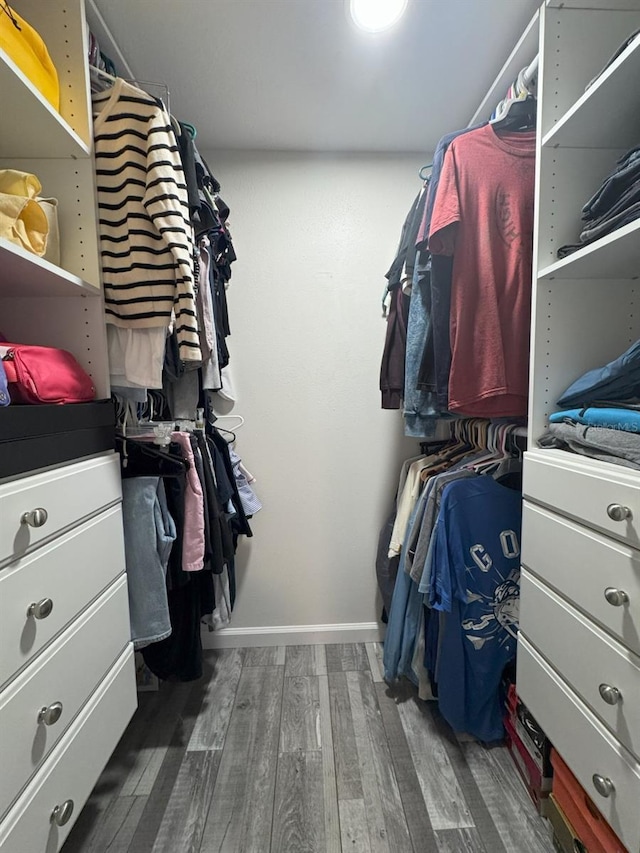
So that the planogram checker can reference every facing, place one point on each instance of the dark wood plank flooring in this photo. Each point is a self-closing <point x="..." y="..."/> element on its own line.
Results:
<point x="302" y="750"/>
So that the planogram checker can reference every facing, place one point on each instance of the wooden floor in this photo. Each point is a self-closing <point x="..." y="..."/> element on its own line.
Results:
<point x="302" y="750"/>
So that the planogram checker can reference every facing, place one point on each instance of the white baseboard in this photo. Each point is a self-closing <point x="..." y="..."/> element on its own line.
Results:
<point x="293" y="635"/>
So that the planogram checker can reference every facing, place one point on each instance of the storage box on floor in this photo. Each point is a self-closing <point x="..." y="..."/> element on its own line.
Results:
<point x="575" y="818"/>
<point x="530" y="750"/>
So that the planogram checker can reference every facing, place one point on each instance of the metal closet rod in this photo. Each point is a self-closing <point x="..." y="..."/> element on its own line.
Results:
<point x="532" y="71"/>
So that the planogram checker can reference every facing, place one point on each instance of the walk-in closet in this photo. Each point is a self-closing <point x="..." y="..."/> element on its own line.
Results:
<point x="319" y="426"/>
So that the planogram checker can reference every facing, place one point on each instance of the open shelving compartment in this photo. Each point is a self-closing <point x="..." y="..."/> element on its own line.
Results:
<point x="41" y="303"/>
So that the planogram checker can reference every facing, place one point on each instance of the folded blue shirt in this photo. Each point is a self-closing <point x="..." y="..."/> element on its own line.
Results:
<point x="618" y="380"/>
<point x="623" y="419"/>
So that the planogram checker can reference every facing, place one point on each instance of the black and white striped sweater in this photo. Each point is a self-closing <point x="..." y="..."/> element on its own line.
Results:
<point x="146" y="240"/>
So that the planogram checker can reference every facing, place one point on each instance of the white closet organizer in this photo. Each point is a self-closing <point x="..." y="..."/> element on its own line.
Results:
<point x="579" y="648"/>
<point x="67" y="681"/>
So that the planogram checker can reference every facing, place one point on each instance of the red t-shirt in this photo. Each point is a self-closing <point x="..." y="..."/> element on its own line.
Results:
<point x="483" y="215"/>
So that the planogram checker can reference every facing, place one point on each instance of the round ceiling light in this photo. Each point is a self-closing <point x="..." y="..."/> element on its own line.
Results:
<point x="374" y="16"/>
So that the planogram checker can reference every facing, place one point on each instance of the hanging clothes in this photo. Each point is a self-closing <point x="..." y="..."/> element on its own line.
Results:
<point x="149" y="533"/>
<point x="475" y="580"/>
<point x="483" y="216"/>
<point x="434" y="370"/>
<point x="146" y="244"/>
<point x="181" y="532"/>
<point x="394" y="352"/>
<point x="453" y="614"/>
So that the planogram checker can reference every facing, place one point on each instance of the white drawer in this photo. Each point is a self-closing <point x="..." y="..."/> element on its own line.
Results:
<point x="67" y="494"/>
<point x="584" y="743"/>
<point x="73" y="767"/>
<point x="584" y="489"/>
<point x="67" y="673"/>
<point x="557" y="630"/>
<point x="581" y="565"/>
<point x="72" y="571"/>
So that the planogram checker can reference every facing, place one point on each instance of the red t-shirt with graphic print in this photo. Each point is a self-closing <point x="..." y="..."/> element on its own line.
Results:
<point x="483" y="216"/>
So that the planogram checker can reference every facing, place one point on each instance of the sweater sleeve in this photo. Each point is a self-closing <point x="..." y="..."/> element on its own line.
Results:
<point x="167" y="204"/>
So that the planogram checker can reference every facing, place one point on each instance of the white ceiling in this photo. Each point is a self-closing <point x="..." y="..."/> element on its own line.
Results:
<point x="296" y="74"/>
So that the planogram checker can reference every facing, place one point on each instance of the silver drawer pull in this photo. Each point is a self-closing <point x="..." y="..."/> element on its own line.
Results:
<point x="616" y="597"/>
<point x="35" y="518"/>
<point x="611" y="695"/>
<point x="50" y="715"/>
<point x="603" y="785"/>
<point x="40" y="609"/>
<point x="617" y="512"/>
<point x="62" y="814"/>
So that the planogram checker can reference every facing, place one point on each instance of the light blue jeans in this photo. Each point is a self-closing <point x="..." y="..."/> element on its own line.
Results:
<point x="149" y="533"/>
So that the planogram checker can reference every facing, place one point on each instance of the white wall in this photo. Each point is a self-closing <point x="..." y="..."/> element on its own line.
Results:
<point x="314" y="236"/>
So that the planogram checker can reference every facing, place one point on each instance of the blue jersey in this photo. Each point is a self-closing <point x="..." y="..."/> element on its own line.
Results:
<point x="476" y="581"/>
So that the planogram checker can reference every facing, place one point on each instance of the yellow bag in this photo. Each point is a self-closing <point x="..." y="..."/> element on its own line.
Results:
<point x="15" y="182"/>
<point x="26" y="48"/>
<point x="23" y="222"/>
<point x="22" y="219"/>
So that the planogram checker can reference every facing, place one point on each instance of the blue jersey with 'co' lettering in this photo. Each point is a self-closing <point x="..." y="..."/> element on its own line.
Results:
<point x="476" y="581"/>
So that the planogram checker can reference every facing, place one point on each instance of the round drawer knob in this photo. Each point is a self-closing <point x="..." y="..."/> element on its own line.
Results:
<point x="62" y="814"/>
<point x="616" y="597"/>
<point x="617" y="512"/>
<point x="611" y="695"/>
<point x="51" y="714"/>
<point x="35" y="517"/>
<point x="603" y="785"/>
<point x="40" y="609"/>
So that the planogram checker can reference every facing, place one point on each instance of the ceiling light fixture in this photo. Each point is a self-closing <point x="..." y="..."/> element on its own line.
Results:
<point x="374" y="16"/>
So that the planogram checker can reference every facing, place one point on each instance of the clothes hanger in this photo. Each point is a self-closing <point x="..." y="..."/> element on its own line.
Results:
<point x="421" y="173"/>
<point x="191" y="128"/>
<point x="144" y="459"/>
<point x="519" y="115"/>
<point x="105" y="76"/>
<point x="215" y="418"/>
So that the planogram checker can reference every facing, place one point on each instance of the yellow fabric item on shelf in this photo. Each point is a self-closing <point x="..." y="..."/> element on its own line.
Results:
<point x="23" y="222"/>
<point x="14" y="182"/>
<point x="27" y="49"/>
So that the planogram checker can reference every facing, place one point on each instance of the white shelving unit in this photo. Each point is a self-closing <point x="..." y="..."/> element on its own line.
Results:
<point x="77" y="650"/>
<point x="585" y="313"/>
<point x="57" y="148"/>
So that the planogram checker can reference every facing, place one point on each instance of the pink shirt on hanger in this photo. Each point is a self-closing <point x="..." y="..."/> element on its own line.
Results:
<point x="193" y="532"/>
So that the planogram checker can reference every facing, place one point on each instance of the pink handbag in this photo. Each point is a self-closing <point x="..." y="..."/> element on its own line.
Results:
<point x="44" y="375"/>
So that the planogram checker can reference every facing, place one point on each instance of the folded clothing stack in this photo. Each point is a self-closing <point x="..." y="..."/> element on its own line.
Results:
<point x="616" y="203"/>
<point x="600" y="413"/>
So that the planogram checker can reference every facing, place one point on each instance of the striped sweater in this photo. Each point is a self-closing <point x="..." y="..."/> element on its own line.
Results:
<point x="146" y="241"/>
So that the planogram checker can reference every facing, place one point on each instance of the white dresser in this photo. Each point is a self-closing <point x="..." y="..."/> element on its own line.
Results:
<point x="67" y="682"/>
<point x="579" y="645"/>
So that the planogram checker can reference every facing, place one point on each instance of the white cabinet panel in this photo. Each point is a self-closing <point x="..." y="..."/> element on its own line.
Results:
<point x="581" y="565"/>
<point x="559" y="632"/>
<point x="71" y="572"/>
<point x="73" y="767"/>
<point x="584" y="743"/>
<point x="65" y="676"/>
<point x="67" y="494"/>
